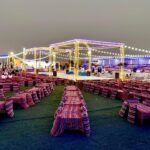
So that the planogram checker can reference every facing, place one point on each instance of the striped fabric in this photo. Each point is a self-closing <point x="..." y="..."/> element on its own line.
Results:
<point x="113" y="94"/>
<point x="71" y="109"/>
<point x="2" y="105"/>
<point x="21" y="100"/>
<point x="71" y="88"/>
<point x="122" y="95"/>
<point x="30" y="99"/>
<point x="30" y="82"/>
<point x="124" y="109"/>
<point x="96" y="91"/>
<point x="35" y="97"/>
<point x="92" y="88"/>
<point x="42" y="92"/>
<point x="71" y="114"/>
<point x="9" y="108"/>
<point x="51" y="86"/>
<point x="48" y="89"/>
<point x="71" y="93"/>
<point x="105" y="92"/>
<point x="45" y="92"/>
<point x="2" y="93"/>
<point x="144" y="111"/>
<point x="6" y="87"/>
<point x="86" y="124"/>
<point x="132" y="113"/>
<point x="86" y="86"/>
<point x="39" y="94"/>
<point x="16" y="87"/>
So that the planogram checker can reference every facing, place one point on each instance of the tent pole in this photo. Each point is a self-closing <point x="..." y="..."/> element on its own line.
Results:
<point x="76" y="60"/>
<point x="40" y="59"/>
<point x="70" y="61"/>
<point x="35" y="56"/>
<point x="122" y="77"/>
<point x="89" y="57"/>
<point x="50" y="60"/>
<point x="24" y="57"/>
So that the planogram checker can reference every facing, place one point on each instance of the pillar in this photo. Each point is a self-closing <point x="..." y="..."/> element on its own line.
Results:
<point x="89" y="59"/>
<point x="76" y="60"/>
<point x="50" y="60"/>
<point x="12" y="58"/>
<point x="23" y="60"/>
<point x="35" y="57"/>
<point x="54" y="60"/>
<point x="122" y="63"/>
<point x="70" y="61"/>
<point x="40" y="59"/>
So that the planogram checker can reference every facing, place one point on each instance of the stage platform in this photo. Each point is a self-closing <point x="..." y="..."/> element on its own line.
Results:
<point x="63" y="75"/>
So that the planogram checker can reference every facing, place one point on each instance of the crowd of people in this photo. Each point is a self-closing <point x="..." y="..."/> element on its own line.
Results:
<point x="7" y="71"/>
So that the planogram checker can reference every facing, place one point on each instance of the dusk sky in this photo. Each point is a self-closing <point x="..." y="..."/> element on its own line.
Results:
<point x="36" y="23"/>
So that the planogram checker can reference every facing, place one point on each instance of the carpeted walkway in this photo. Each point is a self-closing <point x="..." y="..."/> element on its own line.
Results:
<point x="30" y="128"/>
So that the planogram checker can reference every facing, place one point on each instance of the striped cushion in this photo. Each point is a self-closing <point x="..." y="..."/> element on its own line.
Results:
<point x="113" y="94"/>
<point x="35" y="97"/>
<point x="45" y="92"/>
<point x="30" y="99"/>
<point x="132" y="113"/>
<point x="9" y="108"/>
<point x="86" y="124"/>
<point x="124" y="109"/>
<point x="16" y="87"/>
<point x="105" y="92"/>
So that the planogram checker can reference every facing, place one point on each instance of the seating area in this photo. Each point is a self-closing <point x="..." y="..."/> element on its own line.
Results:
<point x="122" y="90"/>
<point x="37" y="89"/>
<point x="72" y="102"/>
<point x="72" y="113"/>
<point x="134" y="111"/>
<point x="134" y="94"/>
<point x="61" y="113"/>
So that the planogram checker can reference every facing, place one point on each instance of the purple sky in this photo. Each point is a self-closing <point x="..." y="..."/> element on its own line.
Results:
<point x="33" y="23"/>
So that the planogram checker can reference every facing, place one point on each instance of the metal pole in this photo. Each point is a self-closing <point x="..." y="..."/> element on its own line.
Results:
<point x="35" y="56"/>
<point x="76" y="60"/>
<point x="54" y="60"/>
<point x="58" y="66"/>
<point x="122" y="63"/>
<point x="50" y="60"/>
<point x="70" y="61"/>
<point x="8" y="61"/>
<point x="89" y="57"/>
<point x="24" y="57"/>
<point x="12" y="58"/>
<point x="40" y="59"/>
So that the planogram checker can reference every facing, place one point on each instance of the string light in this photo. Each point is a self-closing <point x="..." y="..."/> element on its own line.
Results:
<point x="66" y="56"/>
<point x="137" y="49"/>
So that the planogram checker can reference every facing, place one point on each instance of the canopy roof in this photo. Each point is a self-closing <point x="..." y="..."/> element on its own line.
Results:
<point x="83" y="44"/>
<point x="100" y="49"/>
